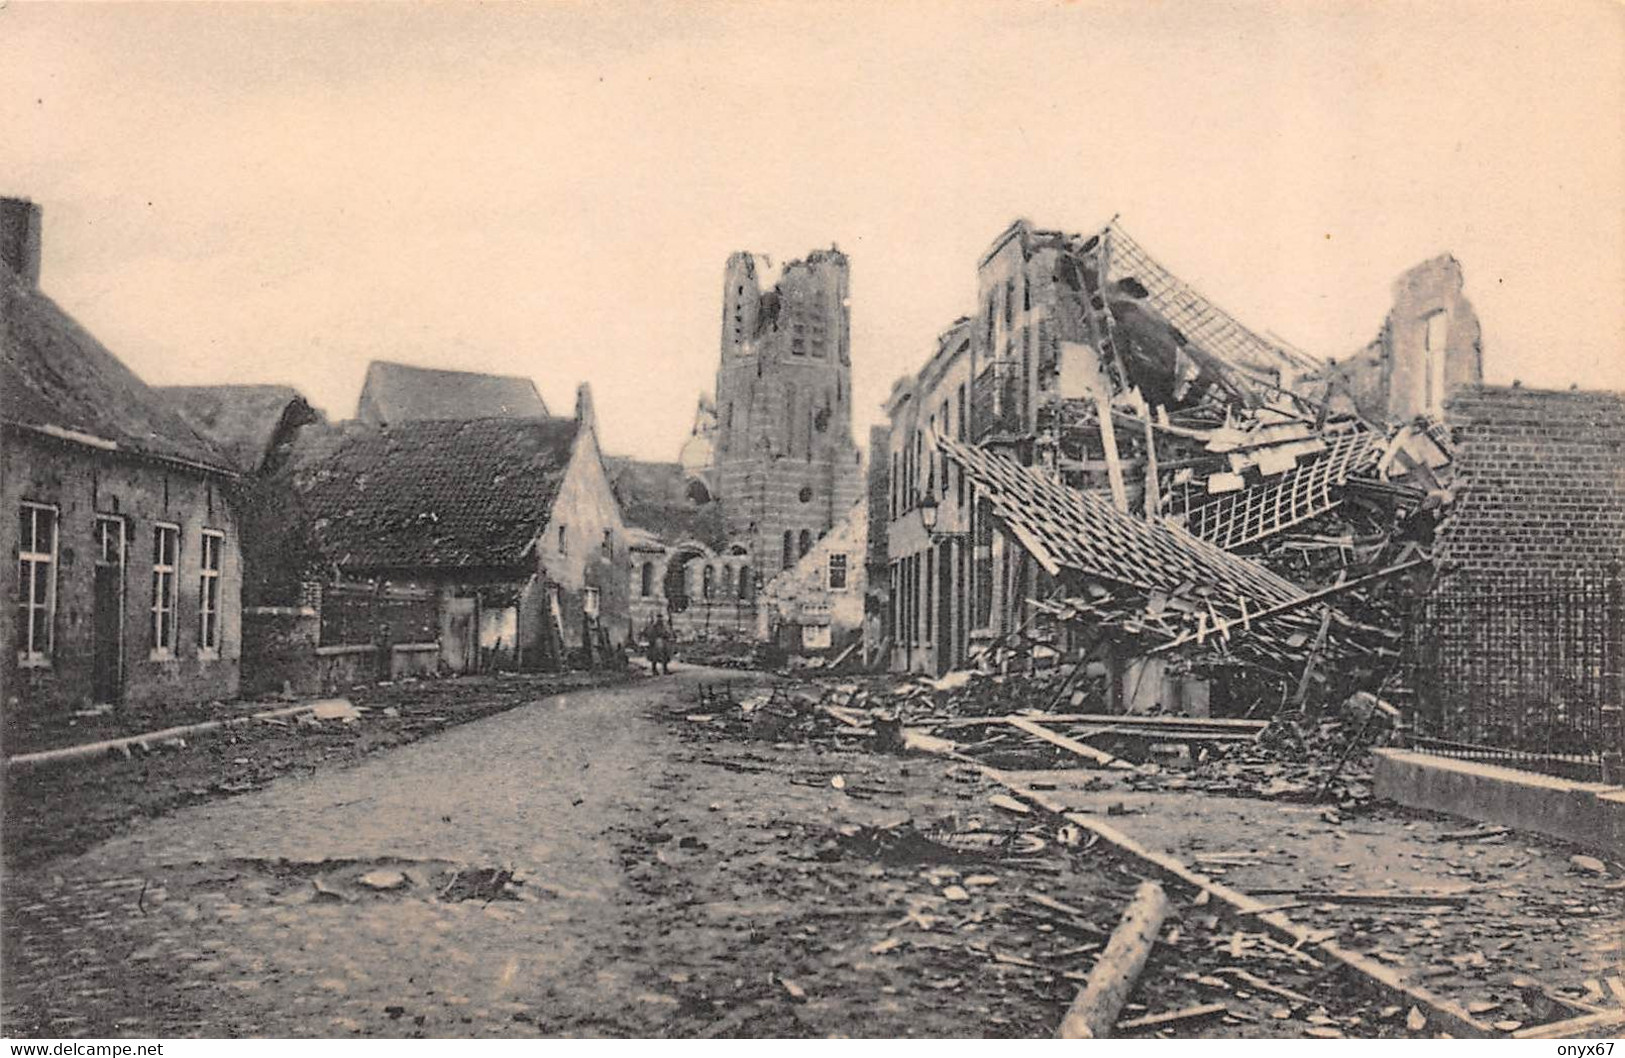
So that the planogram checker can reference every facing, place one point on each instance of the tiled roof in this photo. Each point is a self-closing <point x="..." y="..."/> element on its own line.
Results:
<point x="242" y="421"/>
<point x="396" y="393"/>
<point x="430" y="495"/>
<point x="654" y="498"/>
<point x="1290" y="498"/>
<point x="56" y="378"/>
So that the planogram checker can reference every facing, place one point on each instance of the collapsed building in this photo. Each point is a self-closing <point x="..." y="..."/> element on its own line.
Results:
<point x="1103" y="465"/>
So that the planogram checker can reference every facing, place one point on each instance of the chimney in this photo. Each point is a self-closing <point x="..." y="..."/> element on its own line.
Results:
<point x="584" y="413"/>
<point x="20" y="238"/>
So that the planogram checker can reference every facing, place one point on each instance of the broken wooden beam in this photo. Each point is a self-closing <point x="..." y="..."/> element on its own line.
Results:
<point x="1588" y="1025"/>
<point x="1116" y="973"/>
<point x="1153" y="1022"/>
<point x="1475" y="834"/>
<point x="1288" y="607"/>
<point x="1366" y="896"/>
<point x="1450" y="1014"/>
<point x="1193" y="723"/>
<point x="1252" y="980"/>
<point x="169" y="734"/>
<point x="1071" y="745"/>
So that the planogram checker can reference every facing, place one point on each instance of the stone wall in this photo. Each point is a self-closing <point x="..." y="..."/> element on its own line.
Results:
<point x="84" y="485"/>
<point x="279" y="650"/>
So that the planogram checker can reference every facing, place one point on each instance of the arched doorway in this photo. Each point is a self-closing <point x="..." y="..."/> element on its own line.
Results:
<point x="676" y="579"/>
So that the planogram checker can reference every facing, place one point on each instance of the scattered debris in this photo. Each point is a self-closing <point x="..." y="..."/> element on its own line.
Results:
<point x="383" y="881"/>
<point x="1173" y="1018"/>
<point x="1094" y="1012"/>
<point x="1589" y="864"/>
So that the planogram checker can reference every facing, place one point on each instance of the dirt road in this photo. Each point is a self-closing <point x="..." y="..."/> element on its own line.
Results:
<point x="657" y="891"/>
<point x="606" y="862"/>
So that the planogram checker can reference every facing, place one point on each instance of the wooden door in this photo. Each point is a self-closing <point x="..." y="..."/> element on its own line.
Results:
<point x="461" y="636"/>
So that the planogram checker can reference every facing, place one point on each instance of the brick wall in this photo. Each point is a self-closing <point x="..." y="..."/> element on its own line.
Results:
<point x="279" y="650"/>
<point x="1543" y="477"/>
<point x="84" y="486"/>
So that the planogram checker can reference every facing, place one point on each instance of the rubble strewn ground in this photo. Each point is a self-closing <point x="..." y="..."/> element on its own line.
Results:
<point x="64" y="809"/>
<point x="730" y="854"/>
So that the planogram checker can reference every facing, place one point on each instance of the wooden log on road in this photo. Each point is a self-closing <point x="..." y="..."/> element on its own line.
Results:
<point x="1105" y="760"/>
<point x="1115" y="974"/>
<point x="147" y="740"/>
<point x="1589" y="1025"/>
<point x="1153" y="1022"/>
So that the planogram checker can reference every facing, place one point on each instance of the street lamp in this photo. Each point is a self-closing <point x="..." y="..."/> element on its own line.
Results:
<point x="928" y="514"/>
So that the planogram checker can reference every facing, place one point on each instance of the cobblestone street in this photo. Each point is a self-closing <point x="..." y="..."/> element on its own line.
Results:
<point x="660" y="891"/>
<point x="617" y="861"/>
<point x="244" y="916"/>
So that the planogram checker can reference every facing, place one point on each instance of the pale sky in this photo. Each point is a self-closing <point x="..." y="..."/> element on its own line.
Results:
<point x="256" y="193"/>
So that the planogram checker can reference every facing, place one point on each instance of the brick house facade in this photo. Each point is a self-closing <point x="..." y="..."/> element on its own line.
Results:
<point x="125" y="575"/>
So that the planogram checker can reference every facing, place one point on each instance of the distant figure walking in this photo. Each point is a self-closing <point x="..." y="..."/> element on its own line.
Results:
<point x="658" y="635"/>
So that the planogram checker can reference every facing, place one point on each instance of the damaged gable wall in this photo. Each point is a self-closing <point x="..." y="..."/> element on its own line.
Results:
<point x="582" y="546"/>
<point x="1421" y="371"/>
<point x="1430" y="347"/>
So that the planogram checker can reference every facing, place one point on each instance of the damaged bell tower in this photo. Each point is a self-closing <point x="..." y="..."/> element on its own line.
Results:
<point x="787" y="467"/>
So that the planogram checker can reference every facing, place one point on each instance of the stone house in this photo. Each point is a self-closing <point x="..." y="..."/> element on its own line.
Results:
<point x="929" y="626"/>
<point x="469" y="544"/>
<point x="125" y="573"/>
<point x="817" y="605"/>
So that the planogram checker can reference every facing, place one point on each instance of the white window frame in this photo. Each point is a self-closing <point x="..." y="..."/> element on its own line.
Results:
<point x="208" y="593"/>
<point x="1434" y="357"/>
<point x="32" y="654"/>
<point x="846" y="572"/>
<point x="589" y="601"/>
<point x="116" y="522"/>
<point x="162" y="650"/>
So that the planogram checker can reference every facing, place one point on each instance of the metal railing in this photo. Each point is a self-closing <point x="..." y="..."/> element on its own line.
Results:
<point x="1521" y="669"/>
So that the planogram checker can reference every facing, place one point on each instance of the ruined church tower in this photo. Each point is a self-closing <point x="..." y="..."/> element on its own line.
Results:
<point x="787" y="468"/>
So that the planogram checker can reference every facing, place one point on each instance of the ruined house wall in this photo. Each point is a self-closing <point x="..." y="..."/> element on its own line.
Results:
<point x="726" y="611"/>
<point x="785" y="457"/>
<point x="582" y="546"/>
<point x="1416" y="368"/>
<point x="82" y="484"/>
<point x="877" y="586"/>
<point x="1019" y="327"/>
<point x="929" y="582"/>
<point x="804" y="597"/>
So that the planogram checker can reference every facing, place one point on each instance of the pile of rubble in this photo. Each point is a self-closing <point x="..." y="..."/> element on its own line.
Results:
<point x="1011" y="721"/>
<point x="729" y="652"/>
